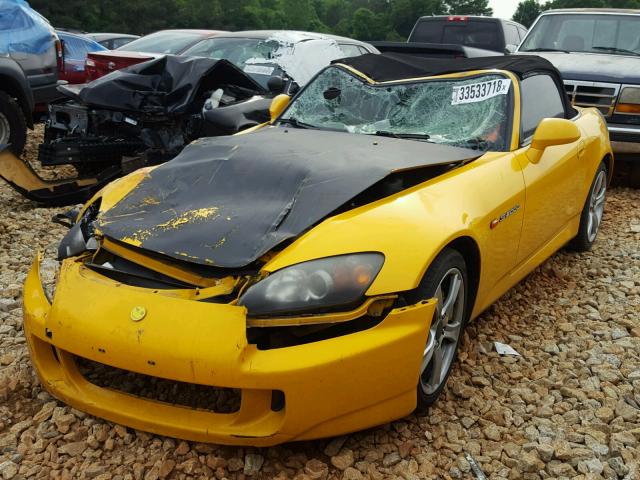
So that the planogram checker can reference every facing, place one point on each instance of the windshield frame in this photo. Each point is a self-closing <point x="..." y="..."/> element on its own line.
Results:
<point x="567" y="13"/>
<point x="513" y="99"/>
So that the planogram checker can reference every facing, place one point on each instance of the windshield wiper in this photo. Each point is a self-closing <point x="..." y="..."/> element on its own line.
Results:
<point x="547" y="50"/>
<point x="617" y="50"/>
<point x="294" y="122"/>
<point x="410" y="136"/>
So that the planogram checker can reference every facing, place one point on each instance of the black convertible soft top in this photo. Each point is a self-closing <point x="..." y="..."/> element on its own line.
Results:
<point x="400" y="66"/>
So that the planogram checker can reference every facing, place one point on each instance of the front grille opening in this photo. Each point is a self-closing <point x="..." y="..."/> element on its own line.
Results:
<point x="268" y="338"/>
<point x="191" y="395"/>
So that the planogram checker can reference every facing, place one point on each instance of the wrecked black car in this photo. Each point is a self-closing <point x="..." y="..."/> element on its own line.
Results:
<point x="145" y="114"/>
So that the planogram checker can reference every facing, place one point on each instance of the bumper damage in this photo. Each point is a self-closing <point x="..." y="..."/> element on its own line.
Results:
<point x="325" y="388"/>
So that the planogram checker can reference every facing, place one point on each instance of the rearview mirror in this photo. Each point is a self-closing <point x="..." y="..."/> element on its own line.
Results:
<point x="278" y="104"/>
<point x="276" y="84"/>
<point x="552" y="132"/>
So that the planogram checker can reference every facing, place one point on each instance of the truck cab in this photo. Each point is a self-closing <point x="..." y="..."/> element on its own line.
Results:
<point x="598" y="54"/>
<point x="486" y="33"/>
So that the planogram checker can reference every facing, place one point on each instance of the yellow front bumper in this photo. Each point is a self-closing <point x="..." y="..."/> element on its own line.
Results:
<point x="330" y="387"/>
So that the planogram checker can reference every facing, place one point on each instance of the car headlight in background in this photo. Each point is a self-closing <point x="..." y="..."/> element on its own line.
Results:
<point x="49" y="270"/>
<point x="314" y="285"/>
<point x="629" y="100"/>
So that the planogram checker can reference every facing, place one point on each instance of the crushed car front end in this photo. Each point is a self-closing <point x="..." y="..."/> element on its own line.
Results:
<point x="333" y="373"/>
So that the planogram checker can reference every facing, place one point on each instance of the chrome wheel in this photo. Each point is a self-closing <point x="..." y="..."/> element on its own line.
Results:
<point x="5" y="129"/>
<point x="596" y="205"/>
<point x="444" y="332"/>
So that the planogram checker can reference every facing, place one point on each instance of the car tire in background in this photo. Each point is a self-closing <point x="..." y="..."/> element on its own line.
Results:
<point x="592" y="212"/>
<point x="447" y="280"/>
<point x="13" y="125"/>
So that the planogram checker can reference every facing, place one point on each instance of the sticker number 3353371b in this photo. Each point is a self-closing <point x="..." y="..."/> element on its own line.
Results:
<point x="478" y="92"/>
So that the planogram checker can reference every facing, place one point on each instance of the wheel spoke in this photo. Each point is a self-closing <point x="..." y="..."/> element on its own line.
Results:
<point x="436" y="374"/>
<point x="452" y="295"/>
<point x="451" y="332"/>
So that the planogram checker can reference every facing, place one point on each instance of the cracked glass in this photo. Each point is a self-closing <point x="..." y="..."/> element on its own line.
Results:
<point x="438" y="111"/>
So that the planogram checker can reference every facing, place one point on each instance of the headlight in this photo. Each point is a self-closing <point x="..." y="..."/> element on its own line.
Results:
<point x="315" y="285"/>
<point x="49" y="270"/>
<point x="80" y="236"/>
<point x="629" y="100"/>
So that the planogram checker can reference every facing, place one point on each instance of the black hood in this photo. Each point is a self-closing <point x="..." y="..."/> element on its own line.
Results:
<point x="595" y="67"/>
<point x="165" y="85"/>
<point x="226" y="201"/>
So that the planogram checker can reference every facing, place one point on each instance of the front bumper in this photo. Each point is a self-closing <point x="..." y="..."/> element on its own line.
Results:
<point x="330" y="387"/>
<point x="624" y="138"/>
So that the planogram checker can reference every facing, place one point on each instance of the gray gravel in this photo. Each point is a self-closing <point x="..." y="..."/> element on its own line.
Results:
<point x="568" y="407"/>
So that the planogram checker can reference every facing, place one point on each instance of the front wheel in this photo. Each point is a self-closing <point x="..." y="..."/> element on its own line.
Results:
<point x="446" y="280"/>
<point x="592" y="212"/>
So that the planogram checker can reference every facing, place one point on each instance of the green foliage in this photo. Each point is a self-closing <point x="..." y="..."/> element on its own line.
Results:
<point x="528" y="10"/>
<point x="362" y="19"/>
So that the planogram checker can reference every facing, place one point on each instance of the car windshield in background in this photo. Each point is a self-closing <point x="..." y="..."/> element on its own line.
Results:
<point x="473" y="112"/>
<point x="470" y="33"/>
<point x="162" y="42"/>
<point x="611" y="34"/>
<point x="239" y="51"/>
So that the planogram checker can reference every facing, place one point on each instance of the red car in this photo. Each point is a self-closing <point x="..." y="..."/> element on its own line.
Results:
<point x="164" y="42"/>
<point x="75" y="49"/>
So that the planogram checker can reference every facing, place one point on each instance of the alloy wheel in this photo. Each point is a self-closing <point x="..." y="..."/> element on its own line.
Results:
<point x="596" y="205"/>
<point x="5" y="129"/>
<point x="444" y="331"/>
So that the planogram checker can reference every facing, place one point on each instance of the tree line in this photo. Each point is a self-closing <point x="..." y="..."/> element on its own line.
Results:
<point x="362" y="19"/>
<point x="528" y="10"/>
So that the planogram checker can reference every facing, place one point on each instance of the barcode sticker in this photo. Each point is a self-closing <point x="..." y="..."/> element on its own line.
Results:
<point x="478" y="92"/>
<point x="258" y="69"/>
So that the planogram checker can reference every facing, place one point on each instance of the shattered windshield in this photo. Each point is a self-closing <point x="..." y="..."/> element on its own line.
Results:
<point x="472" y="112"/>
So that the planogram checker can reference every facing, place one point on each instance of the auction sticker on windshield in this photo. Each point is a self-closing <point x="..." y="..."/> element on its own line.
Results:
<point x="258" y="69"/>
<point x="478" y="92"/>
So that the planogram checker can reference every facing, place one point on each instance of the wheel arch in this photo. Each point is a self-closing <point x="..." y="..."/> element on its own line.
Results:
<point x="12" y="87"/>
<point x="470" y="251"/>
<point x="608" y="158"/>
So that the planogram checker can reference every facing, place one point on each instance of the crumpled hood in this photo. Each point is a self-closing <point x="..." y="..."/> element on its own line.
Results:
<point x="594" y="67"/>
<point x="226" y="201"/>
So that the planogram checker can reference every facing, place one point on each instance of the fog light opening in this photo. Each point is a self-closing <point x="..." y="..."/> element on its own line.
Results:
<point x="277" y="400"/>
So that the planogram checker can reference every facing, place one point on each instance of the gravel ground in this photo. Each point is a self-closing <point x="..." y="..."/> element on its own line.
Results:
<point x="568" y="407"/>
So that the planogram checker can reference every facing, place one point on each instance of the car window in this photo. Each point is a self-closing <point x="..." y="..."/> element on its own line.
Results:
<point x="119" y="42"/>
<point x="470" y="33"/>
<point x="611" y="34"/>
<point x="74" y="48"/>
<point x="540" y="99"/>
<point x="511" y="34"/>
<point x="162" y="42"/>
<point x="522" y="32"/>
<point x="350" y="50"/>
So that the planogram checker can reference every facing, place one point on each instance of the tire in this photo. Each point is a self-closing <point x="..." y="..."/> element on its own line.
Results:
<point x="13" y="125"/>
<point x="591" y="216"/>
<point x="446" y="271"/>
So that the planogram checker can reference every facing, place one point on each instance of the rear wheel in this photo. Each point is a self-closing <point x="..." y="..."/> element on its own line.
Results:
<point x="592" y="212"/>
<point x="446" y="280"/>
<point x="13" y="126"/>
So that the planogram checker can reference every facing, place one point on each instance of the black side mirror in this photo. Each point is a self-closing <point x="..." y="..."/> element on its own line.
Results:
<point x="276" y="84"/>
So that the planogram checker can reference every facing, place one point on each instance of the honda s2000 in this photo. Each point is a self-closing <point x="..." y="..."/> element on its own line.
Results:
<point x="314" y="277"/>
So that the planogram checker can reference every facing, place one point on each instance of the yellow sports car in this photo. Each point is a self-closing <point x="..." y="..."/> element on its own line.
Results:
<point x="313" y="277"/>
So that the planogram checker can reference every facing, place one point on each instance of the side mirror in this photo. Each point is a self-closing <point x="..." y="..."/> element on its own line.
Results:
<point x="509" y="48"/>
<point x="276" y="84"/>
<point x="552" y="132"/>
<point x="278" y="104"/>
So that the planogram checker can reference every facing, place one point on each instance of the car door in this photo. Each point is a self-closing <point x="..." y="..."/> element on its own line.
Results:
<point x="552" y="190"/>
